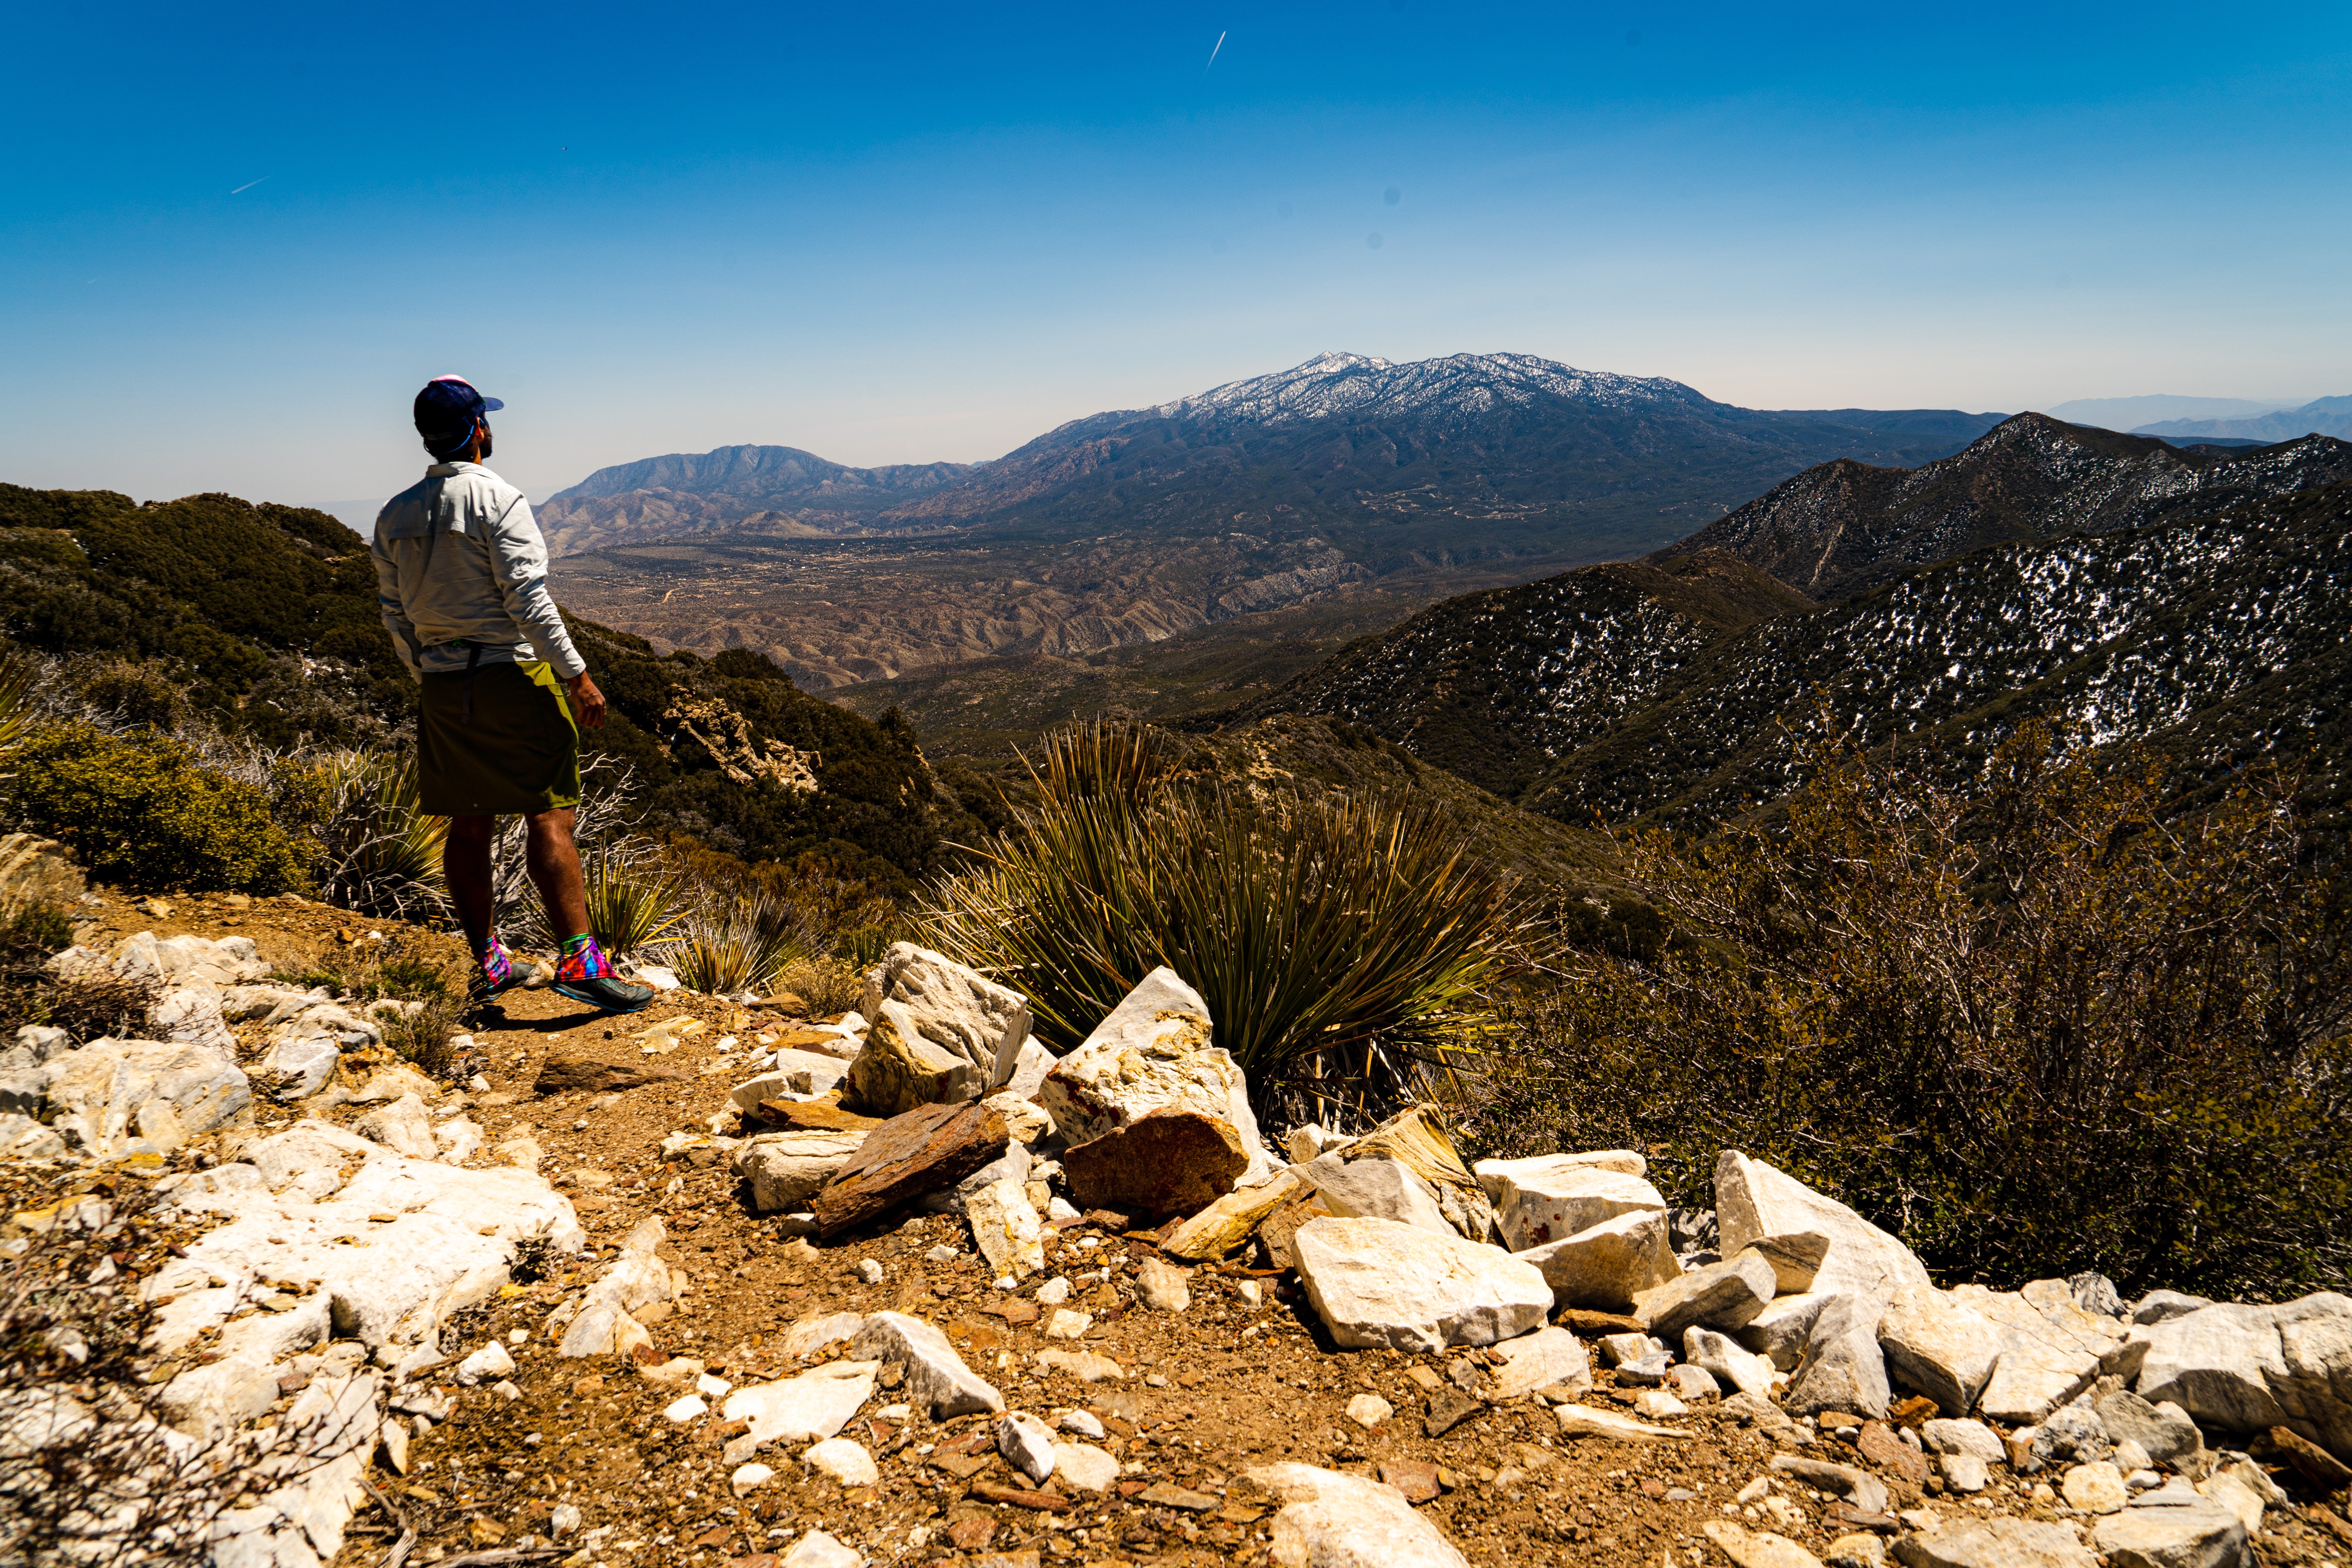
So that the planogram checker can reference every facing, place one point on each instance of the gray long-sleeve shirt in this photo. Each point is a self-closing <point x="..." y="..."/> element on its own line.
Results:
<point x="460" y="564"/>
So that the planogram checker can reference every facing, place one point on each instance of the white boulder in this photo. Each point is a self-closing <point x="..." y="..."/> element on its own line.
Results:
<point x="809" y="1409"/>
<point x="1333" y="1520"/>
<point x="1754" y="1201"/>
<point x="112" y="1095"/>
<point x="1154" y="1051"/>
<point x="1377" y="1283"/>
<point x="2246" y="1368"/>
<point x="1938" y="1347"/>
<point x="1607" y="1266"/>
<point x="959" y="1010"/>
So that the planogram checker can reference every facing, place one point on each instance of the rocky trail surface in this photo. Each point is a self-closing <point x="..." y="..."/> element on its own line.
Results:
<point x="722" y="1284"/>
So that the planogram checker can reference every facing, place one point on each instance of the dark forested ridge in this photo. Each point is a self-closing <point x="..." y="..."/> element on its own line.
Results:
<point x="1599" y="696"/>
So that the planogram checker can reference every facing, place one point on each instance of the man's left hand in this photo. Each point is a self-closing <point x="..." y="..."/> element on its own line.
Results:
<point x="587" y="702"/>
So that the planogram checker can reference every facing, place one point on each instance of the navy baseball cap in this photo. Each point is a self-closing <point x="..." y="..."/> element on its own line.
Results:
<point x="446" y="412"/>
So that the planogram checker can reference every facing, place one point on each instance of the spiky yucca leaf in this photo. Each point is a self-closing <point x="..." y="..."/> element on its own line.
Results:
<point x="736" y="944"/>
<point x="634" y="901"/>
<point x="1342" y="943"/>
<point x="380" y="851"/>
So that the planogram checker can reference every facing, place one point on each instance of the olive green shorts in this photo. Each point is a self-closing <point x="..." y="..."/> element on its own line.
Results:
<point x="516" y="750"/>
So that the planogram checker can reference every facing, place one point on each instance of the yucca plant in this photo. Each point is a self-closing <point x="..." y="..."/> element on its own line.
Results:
<point x="634" y="901"/>
<point x="1345" y="944"/>
<point x="380" y="852"/>
<point x="18" y="713"/>
<point x="736" y="944"/>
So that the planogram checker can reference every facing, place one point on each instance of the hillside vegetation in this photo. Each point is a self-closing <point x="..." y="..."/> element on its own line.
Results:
<point x="258" y="624"/>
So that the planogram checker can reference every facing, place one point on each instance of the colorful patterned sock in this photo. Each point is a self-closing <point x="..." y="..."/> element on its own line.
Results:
<point x="582" y="959"/>
<point x="498" y="964"/>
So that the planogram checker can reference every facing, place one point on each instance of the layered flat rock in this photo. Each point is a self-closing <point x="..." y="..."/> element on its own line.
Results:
<point x="577" y="1075"/>
<point x="2195" y="1533"/>
<point x="1169" y="1161"/>
<point x="112" y="1098"/>
<point x="1548" y="1358"/>
<point x="1843" y="1368"/>
<point x="1607" y="1267"/>
<point x="1556" y="1196"/>
<point x="2050" y="1349"/>
<point x="927" y="1148"/>
<point x="1226" y="1225"/>
<point x="786" y="1170"/>
<point x="1377" y="1283"/>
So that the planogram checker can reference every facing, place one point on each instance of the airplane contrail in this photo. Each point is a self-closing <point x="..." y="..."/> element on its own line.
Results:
<point x="1212" y="53"/>
<point x="248" y="185"/>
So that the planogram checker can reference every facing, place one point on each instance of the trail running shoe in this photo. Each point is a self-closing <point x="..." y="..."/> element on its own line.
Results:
<point x="585" y="974"/>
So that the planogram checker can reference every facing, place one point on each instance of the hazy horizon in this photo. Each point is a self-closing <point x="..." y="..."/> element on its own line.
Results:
<point x="236" y="243"/>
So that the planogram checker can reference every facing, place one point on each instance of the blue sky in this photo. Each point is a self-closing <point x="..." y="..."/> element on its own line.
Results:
<point x="898" y="233"/>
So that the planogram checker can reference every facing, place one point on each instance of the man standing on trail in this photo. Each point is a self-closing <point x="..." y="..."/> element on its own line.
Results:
<point x="461" y="574"/>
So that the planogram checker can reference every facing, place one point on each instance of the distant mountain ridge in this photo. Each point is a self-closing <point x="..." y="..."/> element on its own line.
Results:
<point x="1844" y="527"/>
<point x="2321" y="417"/>
<point x="779" y="489"/>
<point x="1263" y="494"/>
<point x="1602" y="696"/>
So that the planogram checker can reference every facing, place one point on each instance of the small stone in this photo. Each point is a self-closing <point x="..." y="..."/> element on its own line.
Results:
<point x="819" y="1549"/>
<point x="1621" y="1350"/>
<point x="1726" y="1360"/>
<point x="1856" y="1551"/>
<point x="869" y="1270"/>
<point x="1027" y="1445"/>
<point x="1753" y="1551"/>
<point x="1369" y="1410"/>
<point x="488" y="1363"/>
<point x="1162" y="1286"/>
<point x="1691" y="1383"/>
<point x="1084" y="1467"/>
<point x="1065" y="1325"/>
<point x="2095" y="1489"/>
<point x="1585" y="1421"/>
<point x="1344" y="1522"/>
<point x="1657" y="1404"/>
<point x="943" y="1253"/>
<point x="749" y="1478"/>
<point x="1379" y="1283"/>
<point x="1006" y="1228"/>
<point x="1416" y="1480"/>
<point x="692" y="1407"/>
<point x="1882" y="1448"/>
<point x="1964" y="1472"/>
<point x="1548" y="1359"/>
<point x="2164" y="1432"/>
<point x="1084" y="1422"/>
<point x="1053" y="1293"/>
<point x="843" y="1460"/>
<point x="1088" y="1367"/>
<point x="1949" y="1437"/>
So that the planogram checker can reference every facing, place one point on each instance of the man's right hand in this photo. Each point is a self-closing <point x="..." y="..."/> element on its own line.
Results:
<point x="587" y="702"/>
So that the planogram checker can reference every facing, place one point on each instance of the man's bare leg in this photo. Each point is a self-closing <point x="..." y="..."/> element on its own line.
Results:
<point x="465" y="863"/>
<point x="554" y="861"/>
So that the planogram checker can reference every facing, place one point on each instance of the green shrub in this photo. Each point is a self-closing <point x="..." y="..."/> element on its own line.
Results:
<point x="2040" y="1025"/>
<point x="143" y="812"/>
<point x="138" y="693"/>
<point x="1346" y="945"/>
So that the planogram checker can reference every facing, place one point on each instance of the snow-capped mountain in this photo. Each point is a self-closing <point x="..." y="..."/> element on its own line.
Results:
<point x="1466" y="386"/>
